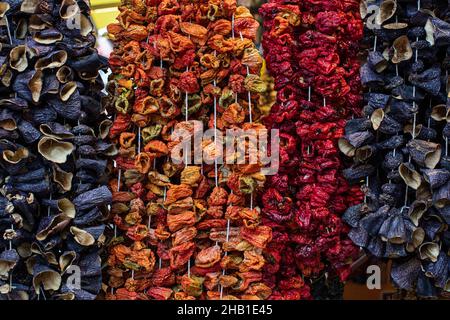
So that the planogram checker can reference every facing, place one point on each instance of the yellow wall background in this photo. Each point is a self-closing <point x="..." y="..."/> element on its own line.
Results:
<point x="104" y="12"/>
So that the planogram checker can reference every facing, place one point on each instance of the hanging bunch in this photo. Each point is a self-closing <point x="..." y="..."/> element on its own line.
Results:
<point x="400" y="145"/>
<point x="54" y="152"/>
<point x="311" y="51"/>
<point x="184" y="229"/>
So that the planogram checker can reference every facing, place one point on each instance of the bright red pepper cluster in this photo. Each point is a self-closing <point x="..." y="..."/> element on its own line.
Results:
<point x="311" y="50"/>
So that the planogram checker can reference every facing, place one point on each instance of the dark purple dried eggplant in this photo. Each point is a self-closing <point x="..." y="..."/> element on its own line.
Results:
<point x="358" y="172"/>
<point x="355" y="125"/>
<point x="429" y="80"/>
<point x="394" y="250"/>
<point x="373" y="221"/>
<point x="353" y="215"/>
<point x="50" y="85"/>
<point x="392" y="160"/>
<point x="425" y="287"/>
<point x="359" y="236"/>
<point x="402" y="110"/>
<point x="393" y="228"/>
<point x="93" y="198"/>
<point x="369" y="77"/>
<point x="377" y="100"/>
<point x="376" y="247"/>
<point x="376" y="61"/>
<point x="392" y="143"/>
<point x="438" y="32"/>
<point x="404" y="274"/>
<point x="436" y="177"/>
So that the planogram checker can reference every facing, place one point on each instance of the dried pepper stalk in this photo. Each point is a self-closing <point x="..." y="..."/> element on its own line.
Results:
<point x="183" y="231"/>
<point x="53" y="164"/>
<point x="311" y="51"/>
<point x="400" y="146"/>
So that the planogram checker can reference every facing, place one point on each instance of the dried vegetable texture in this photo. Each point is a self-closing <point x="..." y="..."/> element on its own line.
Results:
<point x="183" y="231"/>
<point x="400" y="144"/>
<point x="311" y="50"/>
<point x="53" y="192"/>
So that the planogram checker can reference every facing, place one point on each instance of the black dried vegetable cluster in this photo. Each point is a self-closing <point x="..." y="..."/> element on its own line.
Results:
<point x="53" y="163"/>
<point x="400" y="147"/>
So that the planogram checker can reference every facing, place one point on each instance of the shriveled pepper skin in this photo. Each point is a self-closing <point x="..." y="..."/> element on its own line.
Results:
<point x="311" y="51"/>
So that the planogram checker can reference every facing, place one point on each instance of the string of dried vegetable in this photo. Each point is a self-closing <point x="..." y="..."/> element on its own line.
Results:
<point x="311" y="50"/>
<point x="187" y="232"/>
<point x="401" y="144"/>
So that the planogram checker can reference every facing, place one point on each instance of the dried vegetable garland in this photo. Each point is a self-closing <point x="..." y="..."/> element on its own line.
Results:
<point x="53" y="164"/>
<point x="400" y="146"/>
<point x="183" y="231"/>
<point x="311" y="51"/>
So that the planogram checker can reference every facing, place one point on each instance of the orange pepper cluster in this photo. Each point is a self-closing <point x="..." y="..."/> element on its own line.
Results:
<point x="183" y="231"/>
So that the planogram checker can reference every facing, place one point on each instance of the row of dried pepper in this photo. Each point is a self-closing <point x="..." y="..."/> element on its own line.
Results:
<point x="183" y="231"/>
<point x="52" y="139"/>
<point x="311" y="49"/>
<point x="400" y="145"/>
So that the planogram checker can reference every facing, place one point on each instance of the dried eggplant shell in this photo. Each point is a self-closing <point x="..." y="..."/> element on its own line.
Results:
<point x="426" y="154"/>
<point x="410" y="176"/>
<point x="54" y="150"/>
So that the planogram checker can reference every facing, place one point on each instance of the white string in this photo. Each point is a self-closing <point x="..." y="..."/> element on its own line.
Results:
<point x="118" y="179"/>
<point x="249" y="96"/>
<point x="216" y="171"/>
<point x="370" y="90"/>
<point x="15" y="94"/>
<point x="250" y="112"/>
<point x="150" y="216"/>
<point x="8" y="29"/>
<point x="165" y="187"/>
<point x="446" y="146"/>
<point x="43" y="292"/>
<point x="228" y="220"/>
<point x="367" y="185"/>
<point x="415" y="113"/>
<point x="186" y="103"/>
<point x="10" y="241"/>
<point x="232" y="26"/>
<point x="308" y="149"/>
<point x="189" y="268"/>
<point x="118" y="189"/>
<point x="48" y="207"/>
<point x="227" y="237"/>
<point x="139" y="140"/>
<point x="446" y="138"/>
